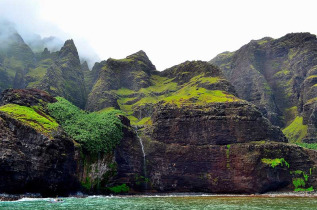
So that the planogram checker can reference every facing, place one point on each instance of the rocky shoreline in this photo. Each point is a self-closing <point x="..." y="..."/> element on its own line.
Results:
<point x="30" y="196"/>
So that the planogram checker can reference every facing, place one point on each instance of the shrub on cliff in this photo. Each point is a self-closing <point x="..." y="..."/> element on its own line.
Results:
<point x="97" y="132"/>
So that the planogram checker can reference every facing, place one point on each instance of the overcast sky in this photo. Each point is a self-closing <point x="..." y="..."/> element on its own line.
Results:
<point x="169" y="31"/>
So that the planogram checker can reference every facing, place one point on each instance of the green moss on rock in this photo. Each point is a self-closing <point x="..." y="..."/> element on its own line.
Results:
<point x="120" y="189"/>
<point x="275" y="162"/>
<point x="296" y="131"/>
<point x="164" y="89"/>
<point x="31" y="116"/>
<point x="35" y="75"/>
<point x="290" y="114"/>
<point x="308" y="146"/>
<point x="310" y="189"/>
<point x="298" y="182"/>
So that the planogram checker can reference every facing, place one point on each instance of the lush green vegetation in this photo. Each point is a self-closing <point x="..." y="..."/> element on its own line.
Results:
<point x="310" y="189"/>
<point x="200" y="96"/>
<point x="283" y="72"/>
<point x="298" y="182"/>
<point x="128" y="60"/>
<point x="290" y="114"/>
<point x="87" y="184"/>
<point x="97" y="132"/>
<point x="275" y="162"/>
<point x="31" y="116"/>
<point x="225" y="55"/>
<point x="12" y="65"/>
<point x="308" y="146"/>
<point x="299" y="185"/>
<point x="119" y="188"/>
<point x="292" y="53"/>
<point x="35" y="75"/>
<point x="296" y="131"/>
<point x="164" y="89"/>
<point x="299" y="177"/>
<point x="313" y="100"/>
<point x="262" y="41"/>
<point x="312" y="77"/>
<point x="299" y="172"/>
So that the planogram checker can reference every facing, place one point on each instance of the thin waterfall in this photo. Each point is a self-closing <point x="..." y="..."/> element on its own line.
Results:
<point x="144" y="158"/>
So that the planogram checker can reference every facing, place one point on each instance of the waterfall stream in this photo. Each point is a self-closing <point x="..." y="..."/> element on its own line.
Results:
<point x="144" y="155"/>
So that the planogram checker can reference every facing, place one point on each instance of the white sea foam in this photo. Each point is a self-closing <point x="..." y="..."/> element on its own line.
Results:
<point x="32" y="199"/>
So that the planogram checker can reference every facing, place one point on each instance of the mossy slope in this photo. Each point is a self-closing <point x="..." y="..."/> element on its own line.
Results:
<point x="133" y="85"/>
<point x="34" y="117"/>
<point x="296" y="131"/>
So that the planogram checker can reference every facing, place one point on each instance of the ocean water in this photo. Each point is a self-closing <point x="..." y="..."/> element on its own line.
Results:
<point x="166" y="202"/>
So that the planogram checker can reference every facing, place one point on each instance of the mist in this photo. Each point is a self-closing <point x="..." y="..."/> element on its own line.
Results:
<point x="23" y="17"/>
<point x="170" y="32"/>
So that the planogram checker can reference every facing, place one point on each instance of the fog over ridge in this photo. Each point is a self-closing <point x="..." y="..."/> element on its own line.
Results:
<point x="36" y="32"/>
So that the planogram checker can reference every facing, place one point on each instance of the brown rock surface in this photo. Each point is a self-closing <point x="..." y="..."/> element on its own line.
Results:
<point x="25" y="97"/>
<point x="215" y="123"/>
<point x="235" y="168"/>
<point x="277" y="75"/>
<point x="31" y="162"/>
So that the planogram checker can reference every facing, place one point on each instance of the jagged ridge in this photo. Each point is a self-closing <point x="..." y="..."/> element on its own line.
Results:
<point x="279" y="76"/>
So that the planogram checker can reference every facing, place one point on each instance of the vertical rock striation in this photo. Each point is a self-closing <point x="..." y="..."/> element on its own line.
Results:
<point x="278" y="76"/>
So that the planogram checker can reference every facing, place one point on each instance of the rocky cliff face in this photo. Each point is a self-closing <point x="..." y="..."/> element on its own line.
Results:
<point x="277" y="75"/>
<point x="233" y="168"/>
<point x="90" y="76"/>
<point x="212" y="124"/>
<point x="215" y="148"/>
<point x="65" y="76"/>
<point x="124" y="166"/>
<point x="188" y="148"/>
<point x="189" y="139"/>
<point x="132" y="73"/>
<point x="35" y="156"/>
<point x="198" y="136"/>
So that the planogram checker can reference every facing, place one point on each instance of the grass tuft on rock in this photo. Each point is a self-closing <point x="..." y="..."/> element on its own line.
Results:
<point x="275" y="162"/>
<point x="296" y="131"/>
<point x="31" y="116"/>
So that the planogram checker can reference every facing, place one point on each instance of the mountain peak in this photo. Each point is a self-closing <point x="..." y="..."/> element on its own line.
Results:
<point x="297" y="38"/>
<point x="140" y="53"/>
<point x="84" y="66"/>
<point x="69" y="42"/>
<point x="138" y="59"/>
<point x="183" y="72"/>
<point x="69" y="49"/>
<point x="69" y="46"/>
<point x="141" y="56"/>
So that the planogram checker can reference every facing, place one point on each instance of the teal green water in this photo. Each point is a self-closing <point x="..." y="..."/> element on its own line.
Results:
<point x="208" y="202"/>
